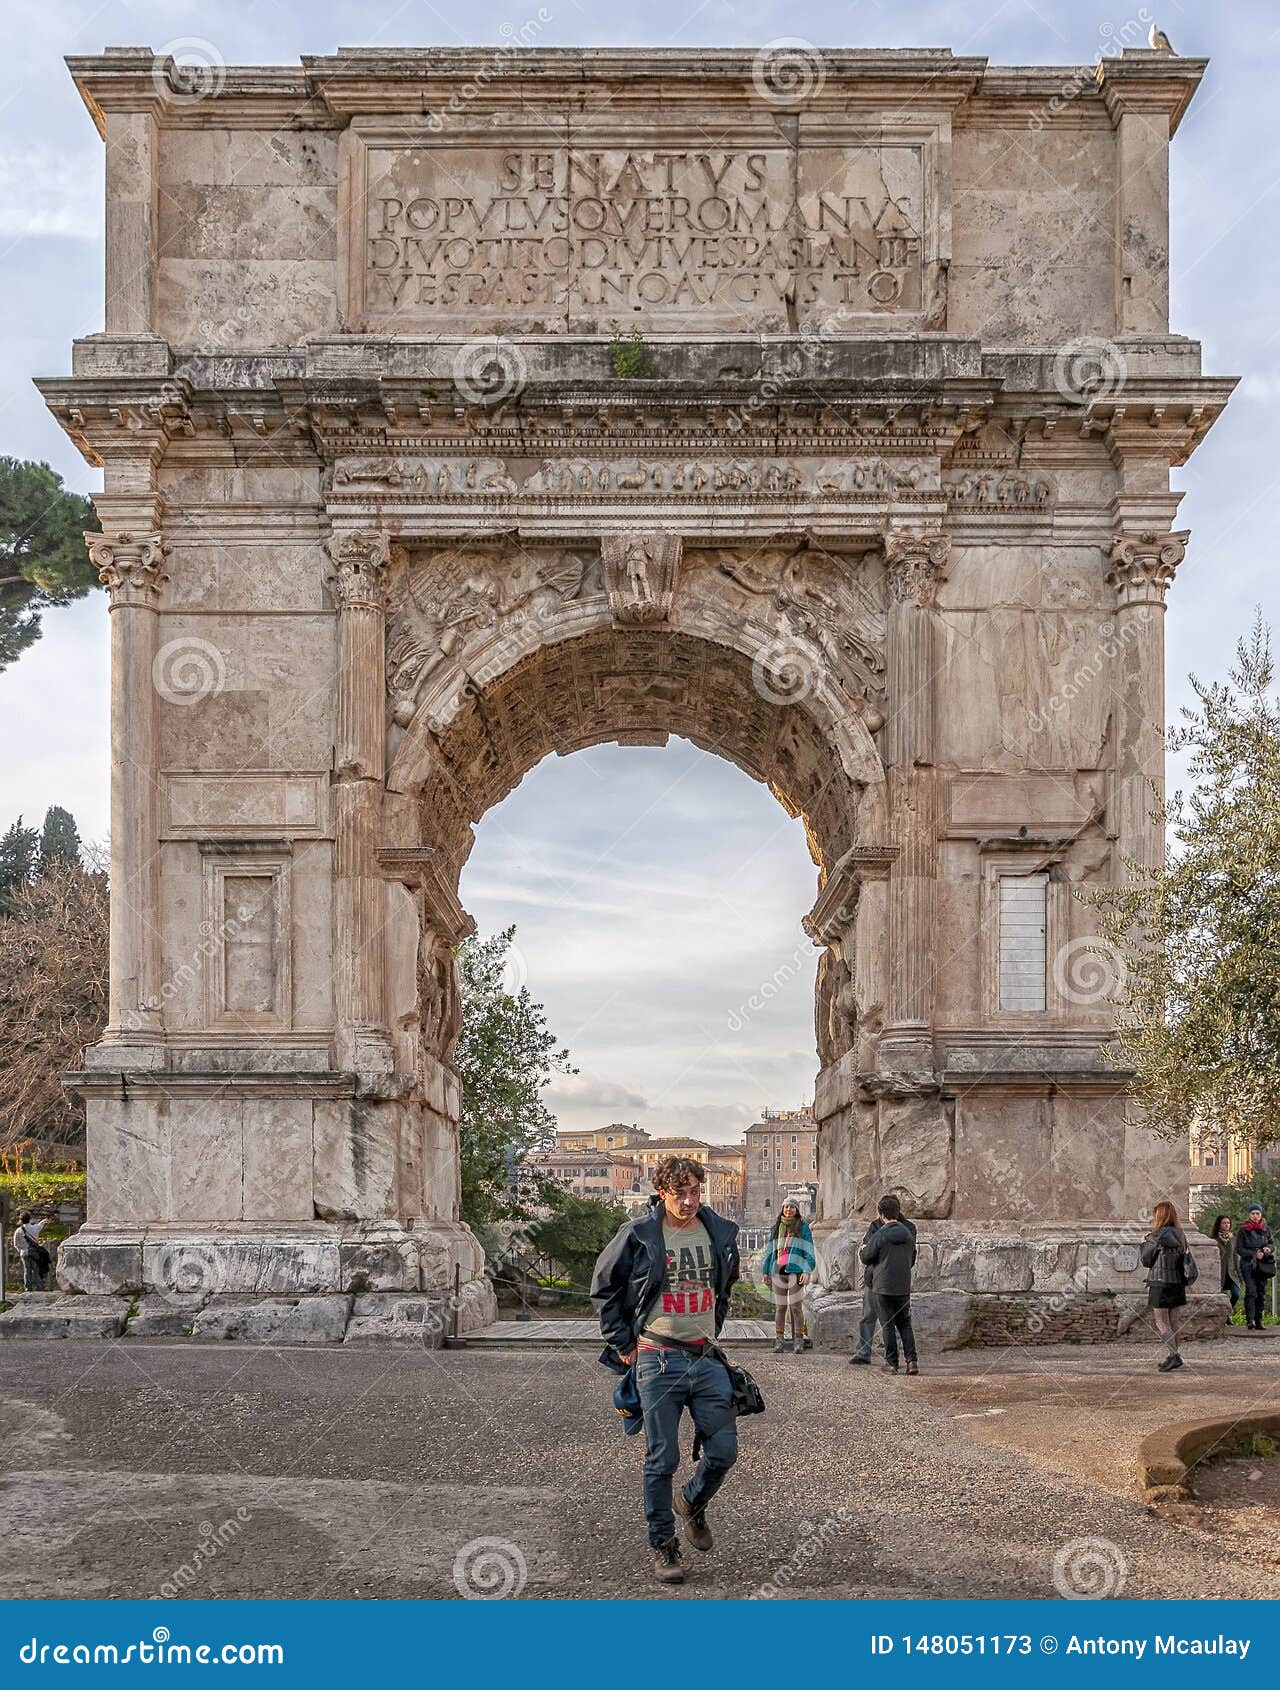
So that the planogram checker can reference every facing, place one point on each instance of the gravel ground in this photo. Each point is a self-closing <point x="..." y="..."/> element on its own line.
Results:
<point x="232" y="1471"/>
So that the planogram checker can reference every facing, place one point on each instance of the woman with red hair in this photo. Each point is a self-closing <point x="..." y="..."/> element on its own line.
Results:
<point x="1164" y="1255"/>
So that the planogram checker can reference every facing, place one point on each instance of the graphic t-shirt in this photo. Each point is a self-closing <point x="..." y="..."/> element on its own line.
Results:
<point x="687" y="1306"/>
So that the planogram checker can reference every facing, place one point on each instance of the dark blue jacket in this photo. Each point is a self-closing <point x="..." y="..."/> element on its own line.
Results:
<point x="631" y="1269"/>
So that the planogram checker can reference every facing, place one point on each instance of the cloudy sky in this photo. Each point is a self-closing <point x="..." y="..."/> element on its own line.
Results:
<point x="655" y="892"/>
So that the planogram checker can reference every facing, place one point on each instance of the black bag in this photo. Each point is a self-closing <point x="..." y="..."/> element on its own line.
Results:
<point x="748" y="1398"/>
<point x="43" y="1260"/>
<point x="1264" y="1267"/>
<point x="1190" y="1268"/>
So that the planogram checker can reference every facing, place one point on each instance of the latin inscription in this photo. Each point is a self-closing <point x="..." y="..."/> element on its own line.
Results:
<point x="524" y="234"/>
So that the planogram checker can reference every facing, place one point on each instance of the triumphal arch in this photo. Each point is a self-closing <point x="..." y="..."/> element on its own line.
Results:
<point x="455" y="408"/>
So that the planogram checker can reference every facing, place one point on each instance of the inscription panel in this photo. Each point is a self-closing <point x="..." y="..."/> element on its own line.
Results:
<point x="576" y="238"/>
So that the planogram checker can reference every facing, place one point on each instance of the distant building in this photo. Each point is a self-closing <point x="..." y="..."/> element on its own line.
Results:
<point x="724" y="1164"/>
<point x="1216" y="1162"/>
<point x="608" y="1179"/>
<point x="616" y="1136"/>
<point x="745" y="1181"/>
<point x="781" y="1153"/>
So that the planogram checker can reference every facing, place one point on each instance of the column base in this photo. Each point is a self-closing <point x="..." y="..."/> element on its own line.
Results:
<point x="976" y="1286"/>
<point x="270" y="1259"/>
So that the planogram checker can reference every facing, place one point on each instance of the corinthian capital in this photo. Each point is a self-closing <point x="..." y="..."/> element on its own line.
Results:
<point x="916" y="562"/>
<point x="130" y="566"/>
<point x="359" y="566"/>
<point x="1142" y="566"/>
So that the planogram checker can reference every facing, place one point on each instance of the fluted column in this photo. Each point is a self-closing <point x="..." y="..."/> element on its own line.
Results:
<point x="1142" y="566"/>
<point x="131" y="567"/>
<point x="362" y="1042"/>
<point x="916" y="563"/>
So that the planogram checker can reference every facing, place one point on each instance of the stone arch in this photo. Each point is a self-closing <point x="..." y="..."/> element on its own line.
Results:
<point x="522" y="652"/>
<point x="500" y="653"/>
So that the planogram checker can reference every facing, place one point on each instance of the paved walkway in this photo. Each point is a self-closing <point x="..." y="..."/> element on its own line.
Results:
<point x="575" y="1332"/>
<point x="237" y="1471"/>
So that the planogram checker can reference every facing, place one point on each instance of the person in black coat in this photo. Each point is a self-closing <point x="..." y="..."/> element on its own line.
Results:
<point x="1256" y="1253"/>
<point x="1163" y="1254"/>
<point x="891" y="1252"/>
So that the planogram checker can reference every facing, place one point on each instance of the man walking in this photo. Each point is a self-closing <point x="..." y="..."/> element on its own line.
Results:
<point x="861" y="1357"/>
<point x="892" y="1254"/>
<point x="661" y="1289"/>
<point x="31" y="1252"/>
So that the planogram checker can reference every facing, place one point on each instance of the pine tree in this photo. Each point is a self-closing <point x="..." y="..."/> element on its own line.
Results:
<point x="19" y="856"/>
<point x="43" y="561"/>
<point x="59" y="838"/>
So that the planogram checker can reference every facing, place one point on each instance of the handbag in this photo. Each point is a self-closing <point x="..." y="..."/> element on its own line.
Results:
<point x="1190" y="1268"/>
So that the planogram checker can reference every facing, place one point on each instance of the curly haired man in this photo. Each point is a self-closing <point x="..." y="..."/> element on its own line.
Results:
<point x="661" y="1289"/>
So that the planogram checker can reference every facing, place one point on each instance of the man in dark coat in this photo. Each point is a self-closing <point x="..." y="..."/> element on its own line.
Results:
<point x="661" y="1289"/>
<point x="891" y="1253"/>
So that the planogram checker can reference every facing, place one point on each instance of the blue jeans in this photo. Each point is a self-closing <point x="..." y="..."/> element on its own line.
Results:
<point x="32" y="1278"/>
<point x="670" y="1381"/>
<point x="867" y="1324"/>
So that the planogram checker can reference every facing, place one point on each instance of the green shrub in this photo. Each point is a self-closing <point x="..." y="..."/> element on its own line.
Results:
<point x="34" y="1190"/>
<point x="628" y="355"/>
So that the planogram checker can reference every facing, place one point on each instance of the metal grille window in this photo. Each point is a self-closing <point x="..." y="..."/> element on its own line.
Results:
<point x="1023" y="909"/>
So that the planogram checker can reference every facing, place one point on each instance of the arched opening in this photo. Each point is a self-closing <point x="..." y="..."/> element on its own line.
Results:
<point x="658" y="898"/>
<point x="479" y="725"/>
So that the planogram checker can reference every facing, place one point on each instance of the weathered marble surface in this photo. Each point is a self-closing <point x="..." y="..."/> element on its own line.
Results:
<point x="882" y="516"/>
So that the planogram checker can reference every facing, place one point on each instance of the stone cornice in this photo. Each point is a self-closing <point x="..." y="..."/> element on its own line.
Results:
<point x="423" y="869"/>
<point x="898" y="395"/>
<point x="837" y="903"/>
<point x="1145" y="81"/>
<point x="368" y="82"/>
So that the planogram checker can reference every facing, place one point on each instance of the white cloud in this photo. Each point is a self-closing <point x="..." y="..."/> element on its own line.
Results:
<point x="46" y="190"/>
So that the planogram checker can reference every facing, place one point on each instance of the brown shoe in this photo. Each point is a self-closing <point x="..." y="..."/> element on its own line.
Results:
<point x="888" y="1367"/>
<point x="912" y="1368"/>
<point x="666" y="1562"/>
<point x="696" y="1528"/>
